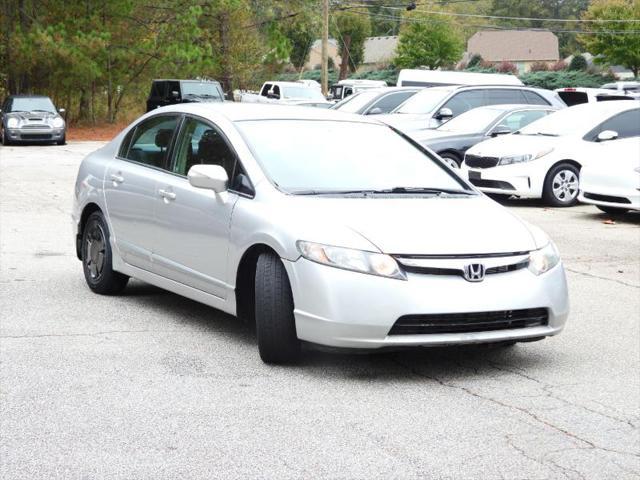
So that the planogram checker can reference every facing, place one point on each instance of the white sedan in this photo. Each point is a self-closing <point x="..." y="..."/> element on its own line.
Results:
<point x="613" y="187"/>
<point x="544" y="159"/>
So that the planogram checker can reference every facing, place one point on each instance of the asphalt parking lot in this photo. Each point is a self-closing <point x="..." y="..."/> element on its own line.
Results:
<point x="152" y="385"/>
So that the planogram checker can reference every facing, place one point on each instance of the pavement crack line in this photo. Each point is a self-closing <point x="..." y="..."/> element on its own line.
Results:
<point x="93" y="334"/>
<point x="542" y="462"/>
<point x="522" y="410"/>
<point x="599" y="277"/>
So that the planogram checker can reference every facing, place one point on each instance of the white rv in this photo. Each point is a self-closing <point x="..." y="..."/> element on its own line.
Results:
<point x="436" y="78"/>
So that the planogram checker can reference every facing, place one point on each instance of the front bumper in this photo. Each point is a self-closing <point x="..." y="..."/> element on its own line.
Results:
<point x="34" y="134"/>
<point x="519" y="180"/>
<point x="611" y="190"/>
<point x="339" y="308"/>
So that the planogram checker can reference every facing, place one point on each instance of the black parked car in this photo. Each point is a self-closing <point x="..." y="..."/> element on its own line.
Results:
<point x="170" y="92"/>
<point x="31" y="118"/>
<point x="452" y="139"/>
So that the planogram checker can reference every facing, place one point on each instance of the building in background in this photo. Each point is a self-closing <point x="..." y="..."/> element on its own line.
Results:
<point x="315" y="54"/>
<point x="521" y="47"/>
<point x="379" y="52"/>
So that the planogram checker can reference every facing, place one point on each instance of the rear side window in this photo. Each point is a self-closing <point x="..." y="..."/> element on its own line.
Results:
<point x="464" y="101"/>
<point x="389" y="102"/>
<point x="149" y="142"/>
<point x="533" y="98"/>
<point x="626" y="124"/>
<point x="573" y="98"/>
<point x="157" y="90"/>
<point x="504" y="96"/>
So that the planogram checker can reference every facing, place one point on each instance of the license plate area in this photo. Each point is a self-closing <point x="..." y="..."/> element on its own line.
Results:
<point x="475" y="175"/>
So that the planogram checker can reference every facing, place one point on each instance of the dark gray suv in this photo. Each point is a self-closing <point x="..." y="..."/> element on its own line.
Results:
<point x="31" y="119"/>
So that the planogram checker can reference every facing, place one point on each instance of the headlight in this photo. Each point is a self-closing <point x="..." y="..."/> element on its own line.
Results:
<point x="523" y="158"/>
<point x="13" y="123"/>
<point x="351" y="259"/>
<point x="543" y="260"/>
<point x="57" y="122"/>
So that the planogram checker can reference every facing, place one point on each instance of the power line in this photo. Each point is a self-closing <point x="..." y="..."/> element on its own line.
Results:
<point x="499" y="17"/>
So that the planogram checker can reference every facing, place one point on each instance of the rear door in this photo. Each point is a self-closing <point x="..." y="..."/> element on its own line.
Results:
<point x="193" y="224"/>
<point x="130" y="187"/>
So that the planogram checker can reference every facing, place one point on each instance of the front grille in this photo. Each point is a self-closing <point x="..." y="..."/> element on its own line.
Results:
<point x="470" y="322"/>
<point x="459" y="272"/>
<point x="478" y="182"/>
<point x="480" y="162"/>
<point x="35" y="136"/>
<point x="34" y="126"/>
<point x="606" y="198"/>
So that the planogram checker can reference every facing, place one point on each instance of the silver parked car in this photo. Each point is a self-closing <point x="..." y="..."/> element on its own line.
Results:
<point x="31" y="118"/>
<point x="367" y="241"/>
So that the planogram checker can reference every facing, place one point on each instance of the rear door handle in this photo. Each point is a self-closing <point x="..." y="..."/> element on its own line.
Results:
<point x="167" y="195"/>
<point x="116" y="178"/>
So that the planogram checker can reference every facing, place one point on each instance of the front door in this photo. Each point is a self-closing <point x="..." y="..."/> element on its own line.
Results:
<point x="130" y="187"/>
<point x="193" y="224"/>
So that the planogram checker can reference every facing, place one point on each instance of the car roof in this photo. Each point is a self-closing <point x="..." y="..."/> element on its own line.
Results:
<point x="507" y="107"/>
<point x="27" y="95"/>
<point x="237" y="112"/>
<point x="184" y="80"/>
<point x="604" y="108"/>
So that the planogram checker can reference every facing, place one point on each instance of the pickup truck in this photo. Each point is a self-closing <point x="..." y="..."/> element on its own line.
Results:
<point x="289" y="93"/>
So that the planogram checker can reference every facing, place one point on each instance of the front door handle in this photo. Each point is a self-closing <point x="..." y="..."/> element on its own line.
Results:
<point x="116" y="178"/>
<point x="167" y="195"/>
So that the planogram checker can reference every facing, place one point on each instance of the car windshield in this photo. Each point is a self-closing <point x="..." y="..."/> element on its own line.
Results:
<point x="359" y="157"/>
<point x="303" y="92"/>
<point x="200" y="90"/>
<point x="355" y="102"/>
<point x="569" y="121"/>
<point x="476" y="120"/>
<point x="425" y="101"/>
<point x="32" y="104"/>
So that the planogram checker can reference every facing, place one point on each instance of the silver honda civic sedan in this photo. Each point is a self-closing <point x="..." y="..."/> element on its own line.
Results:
<point x="318" y="226"/>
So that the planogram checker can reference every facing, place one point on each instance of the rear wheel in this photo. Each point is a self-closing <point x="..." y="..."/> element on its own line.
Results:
<point x="613" y="210"/>
<point x="450" y="159"/>
<point x="275" y="323"/>
<point x="561" y="185"/>
<point x="96" y="258"/>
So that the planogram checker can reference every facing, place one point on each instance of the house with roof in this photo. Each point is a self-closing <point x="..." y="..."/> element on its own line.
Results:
<point x="379" y="52"/>
<point x="315" y="54"/>
<point x="521" y="47"/>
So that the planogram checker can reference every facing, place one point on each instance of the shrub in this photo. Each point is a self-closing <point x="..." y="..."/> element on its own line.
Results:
<point x="559" y="66"/>
<point x="507" y="67"/>
<point x="578" y="62"/>
<point x="474" y="61"/>
<point x="539" y="67"/>
<point x="566" y="78"/>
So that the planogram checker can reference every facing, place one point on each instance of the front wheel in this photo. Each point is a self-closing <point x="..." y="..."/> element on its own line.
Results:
<point x="96" y="258"/>
<point x="613" y="210"/>
<point x="5" y="140"/>
<point x="450" y="160"/>
<point x="62" y="141"/>
<point x="275" y="324"/>
<point x="561" y="185"/>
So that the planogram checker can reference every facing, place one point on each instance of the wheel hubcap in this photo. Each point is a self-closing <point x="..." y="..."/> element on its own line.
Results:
<point x="565" y="185"/>
<point x="451" y="162"/>
<point x="96" y="246"/>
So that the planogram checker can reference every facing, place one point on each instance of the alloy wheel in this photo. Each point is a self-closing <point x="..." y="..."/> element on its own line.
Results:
<point x="451" y="162"/>
<point x="95" y="253"/>
<point x="565" y="185"/>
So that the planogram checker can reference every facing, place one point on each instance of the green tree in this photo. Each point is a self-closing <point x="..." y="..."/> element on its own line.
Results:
<point x="428" y="40"/>
<point x="301" y="31"/>
<point x="350" y="29"/>
<point x="615" y="48"/>
<point x="578" y="62"/>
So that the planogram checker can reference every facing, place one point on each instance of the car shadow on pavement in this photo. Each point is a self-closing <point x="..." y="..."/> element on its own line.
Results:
<point x="629" y="218"/>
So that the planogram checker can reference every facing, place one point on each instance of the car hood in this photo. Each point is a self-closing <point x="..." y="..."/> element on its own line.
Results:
<point x="44" y="117"/>
<point x="416" y="225"/>
<point x="506" y="145"/>
<point x="432" y="137"/>
<point x="407" y="122"/>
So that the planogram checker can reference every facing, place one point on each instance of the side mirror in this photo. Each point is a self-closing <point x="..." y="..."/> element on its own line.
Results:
<point x="375" y="111"/>
<point x="62" y="111"/>
<point x="273" y="95"/>
<point x="500" y="130"/>
<point x="444" y="114"/>
<point x="607" y="135"/>
<point x="212" y="177"/>
<point x="175" y="94"/>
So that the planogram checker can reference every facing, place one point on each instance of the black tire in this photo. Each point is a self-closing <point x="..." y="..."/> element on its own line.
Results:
<point x="5" y="140"/>
<point x="566" y="198"/>
<point x="613" y="210"/>
<point x="275" y="324"/>
<point x="451" y="158"/>
<point x="96" y="258"/>
<point x="62" y="141"/>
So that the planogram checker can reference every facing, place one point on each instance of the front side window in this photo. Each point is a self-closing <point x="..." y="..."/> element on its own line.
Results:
<point x="360" y="156"/>
<point x="625" y="124"/>
<point x="199" y="143"/>
<point x="150" y="141"/>
<point x="517" y="120"/>
<point x="465" y="101"/>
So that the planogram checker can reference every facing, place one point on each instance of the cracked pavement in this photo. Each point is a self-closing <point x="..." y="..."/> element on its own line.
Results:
<point x="152" y="385"/>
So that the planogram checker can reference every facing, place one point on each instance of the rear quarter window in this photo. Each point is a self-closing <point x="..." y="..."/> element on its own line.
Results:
<point x="533" y="98"/>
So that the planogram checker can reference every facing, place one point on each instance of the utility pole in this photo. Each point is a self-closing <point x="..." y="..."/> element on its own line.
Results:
<point x="324" y="73"/>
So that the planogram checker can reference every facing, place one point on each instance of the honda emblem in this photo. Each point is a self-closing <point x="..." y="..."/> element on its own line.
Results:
<point x="474" y="272"/>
